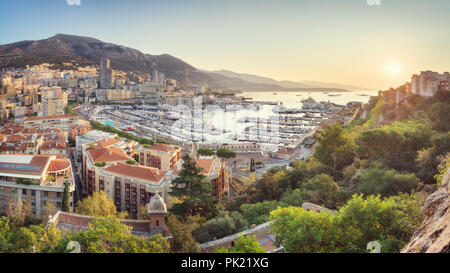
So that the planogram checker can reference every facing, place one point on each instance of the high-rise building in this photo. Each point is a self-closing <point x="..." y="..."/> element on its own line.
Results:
<point x="54" y="101"/>
<point x="155" y="76"/>
<point x="106" y="77"/>
<point x="162" y="78"/>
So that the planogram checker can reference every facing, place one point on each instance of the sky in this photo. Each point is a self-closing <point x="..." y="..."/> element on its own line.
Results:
<point x="376" y="44"/>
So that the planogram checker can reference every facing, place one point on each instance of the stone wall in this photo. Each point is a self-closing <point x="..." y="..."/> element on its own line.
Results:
<point x="260" y="233"/>
<point x="78" y="222"/>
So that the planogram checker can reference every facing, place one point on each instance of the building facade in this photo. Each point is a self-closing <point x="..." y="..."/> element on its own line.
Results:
<point x="35" y="180"/>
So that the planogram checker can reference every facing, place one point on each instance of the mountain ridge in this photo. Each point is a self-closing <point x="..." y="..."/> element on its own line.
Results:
<point x="289" y="84"/>
<point x="83" y="50"/>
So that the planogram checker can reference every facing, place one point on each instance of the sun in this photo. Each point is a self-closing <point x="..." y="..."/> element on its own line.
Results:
<point x="393" y="69"/>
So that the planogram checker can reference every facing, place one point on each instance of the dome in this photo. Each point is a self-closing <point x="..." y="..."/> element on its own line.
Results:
<point x="156" y="205"/>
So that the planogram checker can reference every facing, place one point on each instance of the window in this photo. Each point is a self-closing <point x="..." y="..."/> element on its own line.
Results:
<point x="24" y="191"/>
<point x="157" y="223"/>
<point x="46" y="193"/>
<point x="58" y="195"/>
<point x="33" y="193"/>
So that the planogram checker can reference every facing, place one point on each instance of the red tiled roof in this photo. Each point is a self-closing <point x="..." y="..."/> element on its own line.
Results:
<point x="53" y="145"/>
<point x="160" y="147"/>
<point x="107" y="155"/>
<point x="58" y="165"/>
<point x="139" y="172"/>
<point x="104" y="143"/>
<point x="206" y="164"/>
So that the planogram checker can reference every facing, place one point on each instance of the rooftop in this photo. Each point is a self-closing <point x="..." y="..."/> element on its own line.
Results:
<point x="107" y="155"/>
<point x="139" y="172"/>
<point x="50" y="117"/>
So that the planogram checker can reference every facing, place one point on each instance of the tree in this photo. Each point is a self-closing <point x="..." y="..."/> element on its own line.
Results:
<point x="252" y="165"/>
<point x="244" y="244"/>
<point x="205" y="152"/>
<point x="65" y="198"/>
<point x="258" y="213"/>
<point x="97" y="204"/>
<point x="396" y="145"/>
<point x="293" y="198"/>
<point x="35" y="238"/>
<point x="225" y="153"/>
<point x="333" y="148"/>
<point x="391" y="221"/>
<point x="108" y="235"/>
<point x="183" y="242"/>
<point x="221" y="226"/>
<point x="193" y="191"/>
<point x="321" y="190"/>
<point x="386" y="182"/>
<point x="301" y="231"/>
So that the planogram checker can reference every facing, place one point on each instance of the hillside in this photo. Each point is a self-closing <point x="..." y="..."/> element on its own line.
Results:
<point x="84" y="51"/>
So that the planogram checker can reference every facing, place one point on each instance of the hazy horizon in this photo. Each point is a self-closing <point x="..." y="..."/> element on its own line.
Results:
<point x="345" y="42"/>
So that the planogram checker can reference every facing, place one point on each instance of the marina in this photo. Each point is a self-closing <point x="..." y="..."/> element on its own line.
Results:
<point x="244" y="122"/>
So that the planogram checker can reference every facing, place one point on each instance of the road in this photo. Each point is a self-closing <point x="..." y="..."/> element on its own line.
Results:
<point x="306" y="153"/>
<point x="76" y="175"/>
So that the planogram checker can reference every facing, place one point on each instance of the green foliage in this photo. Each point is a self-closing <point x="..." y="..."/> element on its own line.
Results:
<point x="205" y="152"/>
<point x="190" y="187"/>
<point x="100" y="164"/>
<point x="321" y="189"/>
<point x="395" y="145"/>
<point x="65" y="198"/>
<point x="97" y="204"/>
<point x="35" y="238"/>
<point x="225" y="153"/>
<point x="334" y="149"/>
<point x="258" y="213"/>
<point x="252" y="165"/>
<point x="443" y="169"/>
<point x="428" y="159"/>
<point x="183" y="241"/>
<point x="108" y="235"/>
<point x="293" y="198"/>
<point x="24" y="181"/>
<point x="390" y="221"/>
<point x="131" y="162"/>
<point x="69" y="109"/>
<point x="386" y="182"/>
<point x="244" y="244"/>
<point x="221" y="226"/>
<point x="105" y="128"/>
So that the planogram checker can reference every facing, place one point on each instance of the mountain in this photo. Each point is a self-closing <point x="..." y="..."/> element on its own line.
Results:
<point x="84" y="50"/>
<point x="288" y="84"/>
<point x="63" y="48"/>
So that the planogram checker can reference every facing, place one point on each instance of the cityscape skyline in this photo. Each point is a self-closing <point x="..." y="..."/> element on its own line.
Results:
<point x="372" y="46"/>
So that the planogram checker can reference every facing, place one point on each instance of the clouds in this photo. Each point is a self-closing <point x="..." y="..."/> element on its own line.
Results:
<point x="73" y="2"/>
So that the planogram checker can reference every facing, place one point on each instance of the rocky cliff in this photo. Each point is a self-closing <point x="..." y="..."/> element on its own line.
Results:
<point x="434" y="234"/>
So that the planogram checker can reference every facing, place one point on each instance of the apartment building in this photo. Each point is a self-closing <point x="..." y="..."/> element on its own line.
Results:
<point x="36" y="180"/>
<point x="65" y="122"/>
<point x="112" y="170"/>
<point x="217" y="173"/>
<point x="161" y="156"/>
